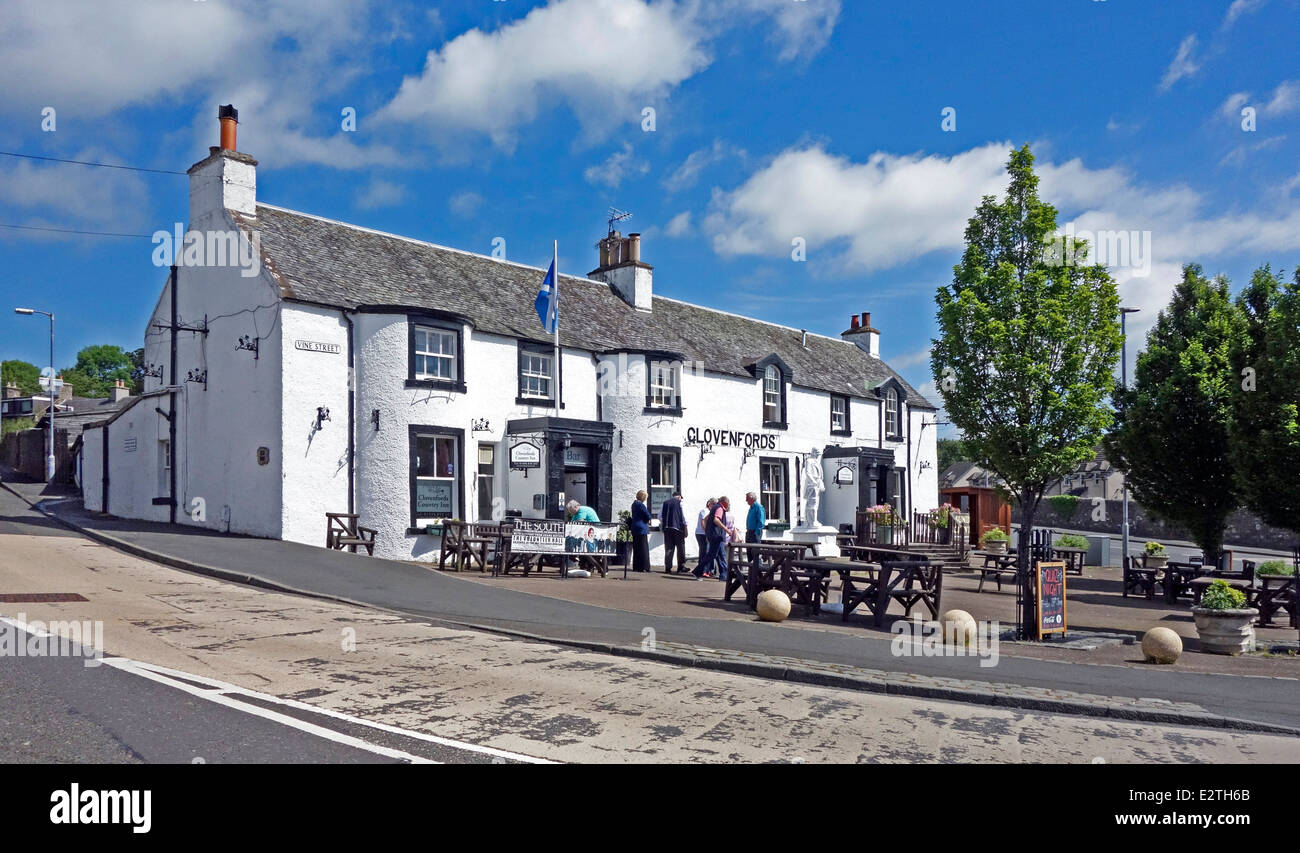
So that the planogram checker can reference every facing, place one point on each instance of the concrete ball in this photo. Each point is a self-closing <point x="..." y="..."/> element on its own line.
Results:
<point x="1162" y="645"/>
<point x="958" y="627"/>
<point x="773" y="605"/>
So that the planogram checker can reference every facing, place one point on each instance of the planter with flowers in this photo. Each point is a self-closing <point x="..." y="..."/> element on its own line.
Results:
<point x="1156" y="555"/>
<point x="889" y="525"/>
<point x="995" y="540"/>
<point x="1224" y="623"/>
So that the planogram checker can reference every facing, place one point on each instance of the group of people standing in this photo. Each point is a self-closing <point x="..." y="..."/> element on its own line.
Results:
<point x="714" y="528"/>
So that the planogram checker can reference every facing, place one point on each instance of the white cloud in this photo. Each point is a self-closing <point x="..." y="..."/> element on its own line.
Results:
<point x="1239" y="8"/>
<point x="381" y="193"/>
<point x="68" y="196"/>
<point x="910" y="359"/>
<point x="892" y="210"/>
<point x="604" y="59"/>
<point x="679" y="225"/>
<point x="1286" y="98"/>
<point x="275" y="60"/>
<point x="465" y="204"/>
<point x="616" y="167"/>
<point x="688" y="173"/>
<point x="1231" y="107"/>
<point x="1184" y="64"/>
<point x="1239" y="154"/>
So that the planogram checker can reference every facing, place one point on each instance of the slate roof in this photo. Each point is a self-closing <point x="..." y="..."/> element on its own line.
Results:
<point x="85" y="411"/>
<point x="331" y="263"/>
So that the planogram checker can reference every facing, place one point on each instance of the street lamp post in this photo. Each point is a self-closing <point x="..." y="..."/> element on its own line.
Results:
<point x="1123" y="369"/>
<point x="49" y="459"/>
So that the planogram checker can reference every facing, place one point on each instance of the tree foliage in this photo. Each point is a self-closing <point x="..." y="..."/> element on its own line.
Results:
<point x="1173" y="432"/>
<point x="950" y="452"/>
<point x="26" y="376"/>
<point x="1027" y="347"/>
<point x="1265" y="396"/>
<point x="98" y="368"/>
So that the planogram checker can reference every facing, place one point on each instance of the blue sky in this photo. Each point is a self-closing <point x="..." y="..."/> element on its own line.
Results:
<point x="773" y="120"/>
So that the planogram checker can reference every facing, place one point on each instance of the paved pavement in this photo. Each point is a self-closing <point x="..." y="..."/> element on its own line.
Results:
<point x="406" y="684"/>
<point x="412" y="589"/>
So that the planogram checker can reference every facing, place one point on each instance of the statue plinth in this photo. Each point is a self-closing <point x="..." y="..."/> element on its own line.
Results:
<point x="821" y="535"/>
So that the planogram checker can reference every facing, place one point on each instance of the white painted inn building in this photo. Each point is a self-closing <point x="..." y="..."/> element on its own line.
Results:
<point x="350" y="370"/>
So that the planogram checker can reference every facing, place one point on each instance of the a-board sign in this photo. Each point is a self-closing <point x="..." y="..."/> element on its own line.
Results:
<point x="1049" y="579"/>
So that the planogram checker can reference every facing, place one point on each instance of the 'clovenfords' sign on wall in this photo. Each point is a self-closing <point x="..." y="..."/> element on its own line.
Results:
<point x="731" y="438"/>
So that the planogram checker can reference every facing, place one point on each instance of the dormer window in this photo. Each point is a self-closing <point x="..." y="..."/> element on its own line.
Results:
<point x="772" y="387"/>
<point x="892" y="429"/>
<point x="663" y="387"/>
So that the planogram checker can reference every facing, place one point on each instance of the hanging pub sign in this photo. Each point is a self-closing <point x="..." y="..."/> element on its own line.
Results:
<point x="844" y="475"/>
<point x="1049" y="578"/>
<point x="524" y="456"/>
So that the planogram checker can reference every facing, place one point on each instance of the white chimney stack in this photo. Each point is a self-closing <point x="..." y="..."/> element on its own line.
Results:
<point x="622" y="269"/>
<point x="861" y="333"/>
<point x="225" y="180"/>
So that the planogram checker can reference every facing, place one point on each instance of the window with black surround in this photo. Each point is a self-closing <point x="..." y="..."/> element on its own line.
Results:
<point x="436" y="460"/>
<point x="840" y="415"/>
<point x="536" y="374"/>
<point x="772" y="488"/>
<point x="892" y="397"/>
<point x="891" y="414"/>
<point x="773" y="375"/>
<point x="663" y="474"/>
<point x="436" y="354"/>
<point x="663" y="386"/>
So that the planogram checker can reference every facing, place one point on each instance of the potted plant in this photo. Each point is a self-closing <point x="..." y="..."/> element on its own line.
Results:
<point x="1156" y="556"/>
<point x="1223" y="622"/>
<point x="1071" y="540"/>
<point x="623" y="537"/>
<point x="995" y="540"/>
<point x="887" y="522"/>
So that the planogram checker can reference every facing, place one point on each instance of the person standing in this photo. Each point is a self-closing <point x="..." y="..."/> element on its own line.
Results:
<point x="755" y="522"/>
<point x="716" y="534"/>
<point x="640" y="524"/>
<point x="701" y="534"/>
<point x="672" y="521"/>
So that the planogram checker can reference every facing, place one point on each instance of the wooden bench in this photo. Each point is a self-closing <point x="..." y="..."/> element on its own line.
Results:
<point x="464" y="549"/>
<point x="343" y="532"/>
<point x="996" y="566"/>
<point x="909" y="582"/>
<point x="1139" y="579"/>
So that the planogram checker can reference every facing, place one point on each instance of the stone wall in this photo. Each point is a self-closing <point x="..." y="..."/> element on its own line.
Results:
<point x="24" y="451"/>
<point x="1108" y="517"/>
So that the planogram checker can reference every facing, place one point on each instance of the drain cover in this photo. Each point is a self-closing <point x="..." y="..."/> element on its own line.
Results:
<point x="39" y="597"/>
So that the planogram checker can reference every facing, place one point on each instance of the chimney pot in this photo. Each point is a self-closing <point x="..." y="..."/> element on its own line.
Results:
<point x="229" y="118"/>
<point x="866" y="319"/>
<point x="853" y="321"/>
<point x="634" y="247"/>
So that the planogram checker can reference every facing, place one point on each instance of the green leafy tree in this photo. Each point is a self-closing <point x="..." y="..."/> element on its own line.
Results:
<point x="97" y="369"/>
<point x="9" y="425"/>
<point x="26" y="376"/>
<point x="1027" y="349"/>
<point x="1266" y="399"/>
<point x="951" y="451"/>
<point x="1173" y="430"/>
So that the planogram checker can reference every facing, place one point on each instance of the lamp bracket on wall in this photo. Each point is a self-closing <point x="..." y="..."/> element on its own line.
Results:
<point x="199" y="376"/>
<point x="248" y="342"/>
<point x="480" y="425"/>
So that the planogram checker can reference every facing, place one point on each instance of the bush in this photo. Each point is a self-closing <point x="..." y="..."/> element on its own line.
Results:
<point x="1071" y="540"/>
<point x="1274" y="567"/>
<point x="1063" y="504"/>
<point x="624" y="532"/>
<point x="1220" y="596"/>
<point x="1155" y="548"/>
<point x="995" y="534"/>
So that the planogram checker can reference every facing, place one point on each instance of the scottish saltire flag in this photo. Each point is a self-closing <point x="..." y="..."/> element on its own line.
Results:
<point x="546" y="304"/>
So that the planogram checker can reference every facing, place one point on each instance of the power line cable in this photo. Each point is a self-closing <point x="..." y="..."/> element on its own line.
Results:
<point x="75" y="231"/>
<point x="89" y="163"/>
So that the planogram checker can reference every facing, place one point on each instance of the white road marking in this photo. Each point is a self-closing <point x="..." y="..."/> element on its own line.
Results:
<point x="220" y="693"/>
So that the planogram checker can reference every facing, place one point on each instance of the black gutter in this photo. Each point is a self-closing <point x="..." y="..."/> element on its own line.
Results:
<point x="171" y="422"/>
<point x="352" y="427"/>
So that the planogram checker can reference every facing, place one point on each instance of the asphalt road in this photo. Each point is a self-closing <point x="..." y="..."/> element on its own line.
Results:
<point x="414" y="590"/>
<point x="59" y="710"/>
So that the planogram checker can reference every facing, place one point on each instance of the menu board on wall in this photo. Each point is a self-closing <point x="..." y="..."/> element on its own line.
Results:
<point x="433" y="498"/>
<point x="1050" y="580"/>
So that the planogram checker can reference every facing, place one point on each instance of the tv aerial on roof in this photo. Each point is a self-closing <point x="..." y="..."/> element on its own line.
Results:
<point x="616" y="215"/>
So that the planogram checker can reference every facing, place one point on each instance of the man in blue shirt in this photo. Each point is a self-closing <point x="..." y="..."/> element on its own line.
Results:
<point x="755" y="522"/>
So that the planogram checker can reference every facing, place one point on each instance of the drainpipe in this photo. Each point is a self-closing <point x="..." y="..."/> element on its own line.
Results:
<point x="171" y="422"/>
<point x="352" y="430"/>
<point x="901" y="406"/>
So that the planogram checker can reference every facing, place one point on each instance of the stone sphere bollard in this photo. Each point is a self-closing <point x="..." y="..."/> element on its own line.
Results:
<point x="958" y="628"/>
<point x="773" y="605"/>
<point x="1162" y="645"/>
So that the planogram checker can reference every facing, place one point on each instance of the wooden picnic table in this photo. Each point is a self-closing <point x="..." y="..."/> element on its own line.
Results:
<point x="877" y="553"/>
<point x="758" y="566"/>
<point x="875" y="585"/>
<point x="1178" y="579"/>
<point x="1274" y="593"/>
<point x="996" y="565"/>
<point x="1073" y="558"/>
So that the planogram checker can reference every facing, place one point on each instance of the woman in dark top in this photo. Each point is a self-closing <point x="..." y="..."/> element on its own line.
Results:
<point x="640" y="525"/>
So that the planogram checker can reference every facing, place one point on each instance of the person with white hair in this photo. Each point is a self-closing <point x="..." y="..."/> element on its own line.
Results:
<point x="579" y="514"/>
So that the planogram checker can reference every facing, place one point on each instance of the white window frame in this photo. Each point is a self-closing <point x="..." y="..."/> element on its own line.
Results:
<point x="453" y="477"/>
<point x="892" y="426"/>
<point x="840" y="419"/>
<point x="772" y="382"/>
<point x="767" y="491"/>
<point x="545" y="374"/>
<point x="665" y="466"/>
<point x="664" y="384"/>
<point x="443" y="359"/>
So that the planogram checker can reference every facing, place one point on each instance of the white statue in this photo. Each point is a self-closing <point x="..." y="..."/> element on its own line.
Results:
<point x="814" y="483"/>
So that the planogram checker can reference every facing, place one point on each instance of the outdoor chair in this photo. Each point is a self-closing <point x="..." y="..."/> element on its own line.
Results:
<point x="342" y="532"/>
<point x="464" y="549"/>
<point x="1139" y="580"/>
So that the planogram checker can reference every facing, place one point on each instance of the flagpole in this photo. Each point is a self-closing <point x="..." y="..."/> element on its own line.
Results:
<point x="555" y="265"/>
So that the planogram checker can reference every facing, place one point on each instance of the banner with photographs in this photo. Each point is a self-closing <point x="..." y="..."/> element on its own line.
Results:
<point x="538" y="536"/>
